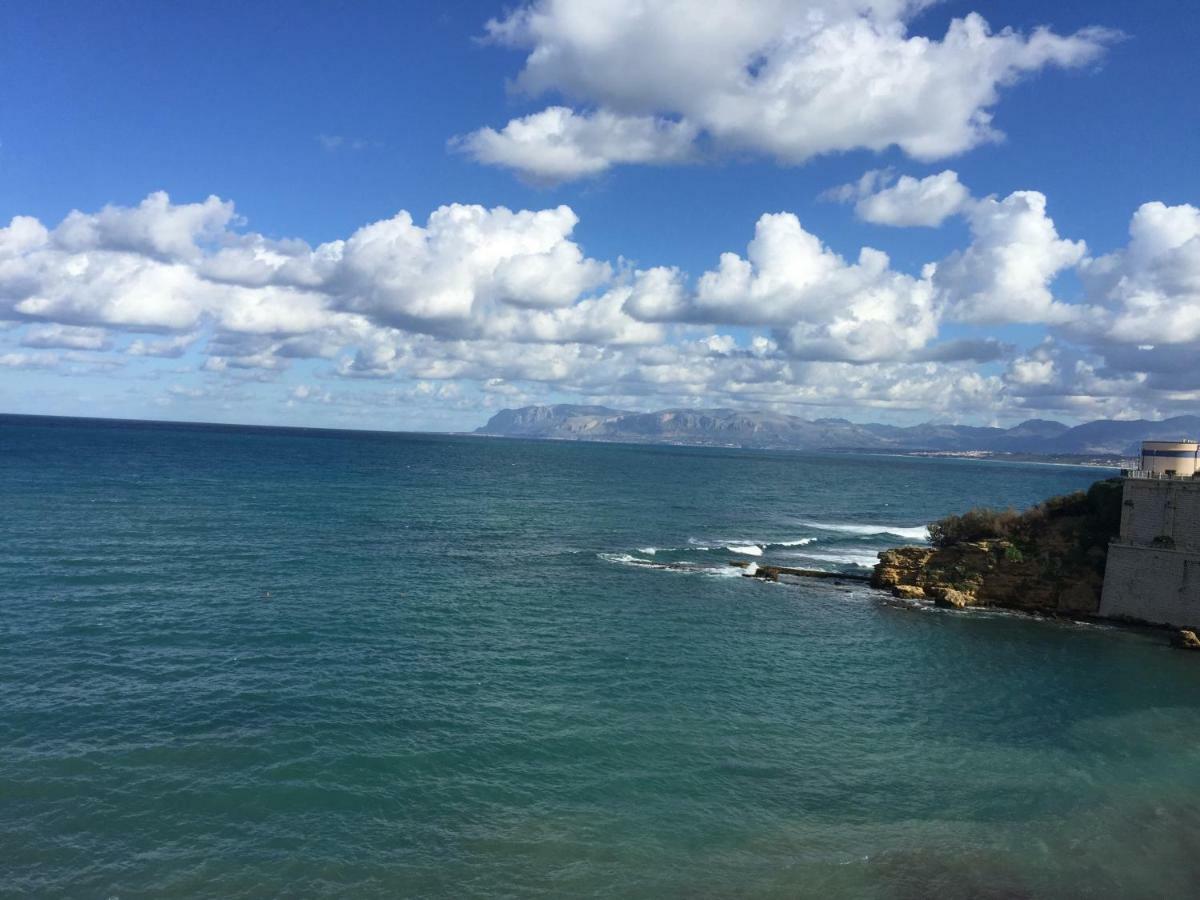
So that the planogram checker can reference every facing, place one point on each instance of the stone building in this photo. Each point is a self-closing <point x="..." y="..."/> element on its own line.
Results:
<point x="1153" y="569"/>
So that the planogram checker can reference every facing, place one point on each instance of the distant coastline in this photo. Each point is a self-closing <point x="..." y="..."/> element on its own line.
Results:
<point x="757" y="438"/>
<point x="1073" y="461"/>
<point x="1036" y="459"/>
<point x="1103" y="443"/>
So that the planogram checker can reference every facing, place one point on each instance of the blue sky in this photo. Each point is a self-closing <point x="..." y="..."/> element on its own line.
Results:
<point x="316" y="120"/>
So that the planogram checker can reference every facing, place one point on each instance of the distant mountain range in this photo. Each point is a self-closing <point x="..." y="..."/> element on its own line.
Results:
<point x="733" y="428"/>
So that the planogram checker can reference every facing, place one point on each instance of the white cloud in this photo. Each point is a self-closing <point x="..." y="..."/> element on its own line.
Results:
<point x="156" y="227"/>
<point x="915" y="202"/>
<point x="166" y="348"/>
<point x="559" y="144"/>
<point x="869" y="182"/>
<point x="1029" y="372"/>
<point x="1005" y="275"/>
<point x="468" y="272"/>
<point x="820" y="306"/>
<point x="66" y="337"/>
<point x="307" y="393"/>
<point x="790" y="80"/>
<point x="1058" y="377"/>
<point x="39" y="360"/>
<point x="1149" y="292"/>
<point x="189" y="391"/>
<point x="464" y="266"/>
<point x="509" y="299"/>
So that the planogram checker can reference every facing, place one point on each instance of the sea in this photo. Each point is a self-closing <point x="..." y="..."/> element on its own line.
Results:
<point x="247" y="662"/>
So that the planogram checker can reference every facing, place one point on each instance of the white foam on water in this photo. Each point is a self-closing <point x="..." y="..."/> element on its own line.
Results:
<point x="626" y="559"/>
<point x="799" y="542"/>
<point x="721" y="571"/>
<point x="915" y="532"/>
<point x="861" y="558"/>
<point x="620" y="558"/>
<point x="649" y="551"/>
<point x="745" y="549"/>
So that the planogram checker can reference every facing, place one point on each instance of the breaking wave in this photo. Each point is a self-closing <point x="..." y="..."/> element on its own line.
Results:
<point x="831" y="546"/>
<point x="754" y="547"/>
<point x="745" y="549"/>
<point x="627" y="559"/>
<point x="863" y="559"/>
<point x="914" y="532"/>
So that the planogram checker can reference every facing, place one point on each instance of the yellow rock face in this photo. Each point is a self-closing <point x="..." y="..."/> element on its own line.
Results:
<point x="949" y="597"/>
<point x="1049" y="559"/>
<point x="991" y="573"/>
<point x="1186" y="639"/>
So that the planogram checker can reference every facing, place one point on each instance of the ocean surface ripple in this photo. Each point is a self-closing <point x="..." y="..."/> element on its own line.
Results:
<point x="245" y="663"/>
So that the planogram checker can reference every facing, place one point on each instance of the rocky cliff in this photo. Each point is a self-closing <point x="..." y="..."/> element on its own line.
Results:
<point x="1049" y="559"/>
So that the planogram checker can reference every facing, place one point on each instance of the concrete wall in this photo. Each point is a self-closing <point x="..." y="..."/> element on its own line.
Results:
<point x="1159" y="586"/>
<point x="1153" y="569"/>
<point x="1161" y="508"/>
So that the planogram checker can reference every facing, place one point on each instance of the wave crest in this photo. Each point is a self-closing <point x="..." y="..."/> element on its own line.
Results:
<point x="909" y="532"/>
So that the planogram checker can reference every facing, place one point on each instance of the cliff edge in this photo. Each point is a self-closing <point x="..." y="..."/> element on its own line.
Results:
<point x="1049" y="559"/>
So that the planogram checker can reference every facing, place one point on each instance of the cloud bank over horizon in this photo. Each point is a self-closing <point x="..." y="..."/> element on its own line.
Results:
<point x="896" y="210"/>
<point x="506" y="307"/>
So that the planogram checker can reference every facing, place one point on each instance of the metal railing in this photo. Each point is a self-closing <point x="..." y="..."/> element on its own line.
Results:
<point x="1159" y="476"/>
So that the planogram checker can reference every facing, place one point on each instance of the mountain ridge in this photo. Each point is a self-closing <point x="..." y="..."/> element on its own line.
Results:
<point x="726" y="427"/>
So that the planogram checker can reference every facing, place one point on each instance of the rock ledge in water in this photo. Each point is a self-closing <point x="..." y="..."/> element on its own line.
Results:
<point x="773" y="573"/>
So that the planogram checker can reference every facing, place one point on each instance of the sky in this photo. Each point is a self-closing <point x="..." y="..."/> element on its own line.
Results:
<point x="410" y="216"/>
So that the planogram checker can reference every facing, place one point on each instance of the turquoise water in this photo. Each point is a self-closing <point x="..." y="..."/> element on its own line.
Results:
<point x="245" y="663"/>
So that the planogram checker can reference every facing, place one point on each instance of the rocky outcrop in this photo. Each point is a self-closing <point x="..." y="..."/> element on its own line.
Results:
<point x="1185" y="639"/>
<point x="1048" y="560"/>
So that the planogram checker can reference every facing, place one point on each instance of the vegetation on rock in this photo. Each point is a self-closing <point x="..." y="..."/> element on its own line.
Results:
<point x="1048" y="559"/>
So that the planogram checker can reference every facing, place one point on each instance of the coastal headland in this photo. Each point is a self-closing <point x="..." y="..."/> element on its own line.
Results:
<point x="1094" y="554"/>
<point x="1049" y="559"/>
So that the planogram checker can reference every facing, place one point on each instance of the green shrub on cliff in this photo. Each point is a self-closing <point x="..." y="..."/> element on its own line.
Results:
<point x="1048" y="559"/>
<point x="1094" y="516"/>
<point x="979" y="524"/>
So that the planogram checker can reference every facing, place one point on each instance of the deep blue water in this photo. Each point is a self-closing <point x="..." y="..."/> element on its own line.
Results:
<point x="246" y="663"/>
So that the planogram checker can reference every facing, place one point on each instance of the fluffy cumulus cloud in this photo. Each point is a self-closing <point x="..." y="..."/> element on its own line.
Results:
<point x="908" y="201"/>
<point x="1149" y="292"/>
<point x="1006" y="274"/>
<point x="467" y="272"/>
<point x="819" y="305"/>
<point x="495" y="306"/>
<point x="788" y="79"/>
<point x="559" y="144"/>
